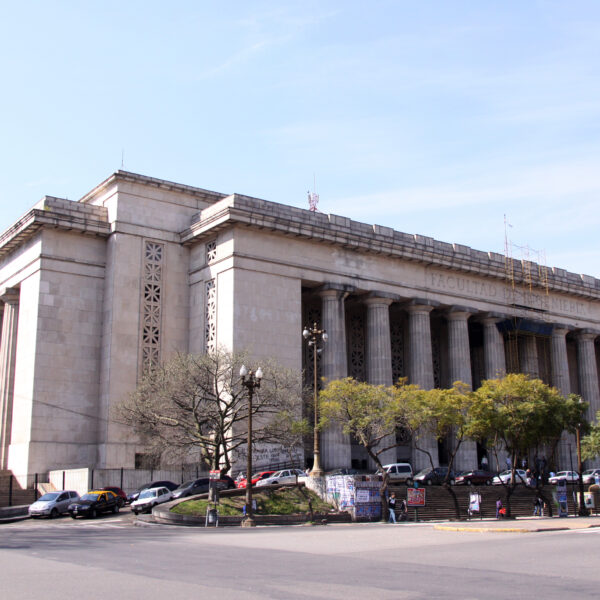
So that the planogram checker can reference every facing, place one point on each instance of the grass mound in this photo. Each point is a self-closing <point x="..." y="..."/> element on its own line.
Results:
<point x="282" y="501"/>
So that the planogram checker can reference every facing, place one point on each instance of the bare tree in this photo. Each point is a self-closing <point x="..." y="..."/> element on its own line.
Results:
<point x="197" y="403"/>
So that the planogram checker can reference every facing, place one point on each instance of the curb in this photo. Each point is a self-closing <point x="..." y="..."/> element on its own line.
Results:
<point x="512" y="529"/>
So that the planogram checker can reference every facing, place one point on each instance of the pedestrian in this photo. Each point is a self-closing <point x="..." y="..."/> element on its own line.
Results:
<point x="508" y="463"/>
<point x="498" y="507"/>
<point x="403" y="510"/>
<point x="484" y="462"/>
<point x="392" y="508"/>
<point x="537" y="507"/>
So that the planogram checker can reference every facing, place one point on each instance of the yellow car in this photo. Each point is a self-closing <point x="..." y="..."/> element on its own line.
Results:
<point x="94" y="503"/>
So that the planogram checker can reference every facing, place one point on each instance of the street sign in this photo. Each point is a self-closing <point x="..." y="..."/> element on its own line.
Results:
<point x="214" y="474"/>
<point x="415" y="497"/>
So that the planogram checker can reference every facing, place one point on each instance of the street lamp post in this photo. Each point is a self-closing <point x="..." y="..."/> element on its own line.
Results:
<point x="583" y="511"/>
<point x="315" y="335"/>
<point x="251" y="381"/>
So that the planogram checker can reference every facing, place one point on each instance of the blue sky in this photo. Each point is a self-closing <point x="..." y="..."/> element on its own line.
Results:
<point x="435" y="117"/>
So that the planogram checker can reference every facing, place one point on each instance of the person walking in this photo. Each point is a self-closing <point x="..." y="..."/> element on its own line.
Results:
<point x="392" y="508"/>
<point x="498" y="508"/>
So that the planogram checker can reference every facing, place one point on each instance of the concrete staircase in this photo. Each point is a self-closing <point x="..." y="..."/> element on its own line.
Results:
<point x="440" y="506"/>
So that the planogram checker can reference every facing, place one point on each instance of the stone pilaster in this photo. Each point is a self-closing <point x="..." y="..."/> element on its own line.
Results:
<point x="335" y="446"/>
<point x="420" y="369"/>
<point x="561" y="381"/>
<point x="379" y="352"/>
<point x="459" y="363"/>
<point x="493" y="348"/>
<point x="528" y="356"/>
<point x="8" y="347"/>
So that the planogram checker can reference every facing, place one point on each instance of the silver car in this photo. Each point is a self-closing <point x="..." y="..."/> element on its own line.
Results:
<point x="53" y="504"/>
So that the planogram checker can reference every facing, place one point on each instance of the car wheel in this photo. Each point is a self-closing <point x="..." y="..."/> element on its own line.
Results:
<point x="54" y="513"/>
<point x="135" y="512"/>
<point x="429" y="482"/>
<point x="92" y="514"/>
<point x="453" y="482"/>
<point x="115" y="509"/>
<point x="469" y="482"/>
<point x="409" y="481"/>
<point x="120" y="502"/>
<point x="488" y="482"/>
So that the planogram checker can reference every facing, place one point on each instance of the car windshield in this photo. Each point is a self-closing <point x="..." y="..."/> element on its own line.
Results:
<point x="48" y="497"/>
<point x="424" y="472"/>
<point x="92" y="497"/>
<point x="187" y="484"/>
<point x="147" y="494"/>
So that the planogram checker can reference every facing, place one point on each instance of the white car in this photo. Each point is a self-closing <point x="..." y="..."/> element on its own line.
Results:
<point x="52" y="504"/>
<point x="283" y="476"/>
<point x="568" y="476"/>
<point x="589" y="476"/>
<point x="505" y="477"/>
<point x="148" y="499"/>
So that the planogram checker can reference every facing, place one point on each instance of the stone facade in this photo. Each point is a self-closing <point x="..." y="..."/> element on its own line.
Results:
<point x="94" y="290"/>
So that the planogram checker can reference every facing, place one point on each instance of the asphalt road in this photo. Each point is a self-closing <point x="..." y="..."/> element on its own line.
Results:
<point x="112" y="557"/>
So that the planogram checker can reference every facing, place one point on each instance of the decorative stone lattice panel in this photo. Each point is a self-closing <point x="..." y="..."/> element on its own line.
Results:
<point x="152" y="292"/>
<point x="211" y="251"/>
<point x="356" y="345"/>
<point x="436" y="356"/>
<point x="397" y="341"/>
<point x="210" y="317"/>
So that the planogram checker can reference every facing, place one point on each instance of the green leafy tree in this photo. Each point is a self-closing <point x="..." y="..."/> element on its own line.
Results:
<point x="370" y="413"/>
<point x="590" y="443"/>
<point x="518" y="414"/>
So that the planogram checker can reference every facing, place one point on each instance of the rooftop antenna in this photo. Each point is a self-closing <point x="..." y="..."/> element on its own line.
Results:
<point x="122" y="157"/>
<point x="313" y="197"/>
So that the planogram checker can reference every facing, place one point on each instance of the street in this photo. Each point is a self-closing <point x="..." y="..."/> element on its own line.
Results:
<point x="60" y="558"/>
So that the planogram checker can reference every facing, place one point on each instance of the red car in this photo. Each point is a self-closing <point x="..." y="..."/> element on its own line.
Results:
<point x="474" y="478"/>
<point x="121" y="495"/>
<point x="256" y="477"/>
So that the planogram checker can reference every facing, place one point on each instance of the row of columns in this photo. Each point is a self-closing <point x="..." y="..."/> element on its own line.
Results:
<point x="335" y="446"/>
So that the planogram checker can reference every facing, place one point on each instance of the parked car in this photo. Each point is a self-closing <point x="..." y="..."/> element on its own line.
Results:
<point x="94" y="503"/>
<point x="477" y="477"/>
<point x="52" y="504"/>
<point x="343" y="472"/>
<point x="435" y="476"/>
<point x="283" y="476"/>
<point x="589" y="476"/>
<point x="153" y="484"/>
<point x="149" y="498"/>
<point x="191" y="488"/>
<point x="506" y="476"/>
<point x="568" y="476"/>
<point x="399" y="473"/>
<point x="226" y="483"/>
<point x="121" y="495"/>
<point x="255" y="478"/>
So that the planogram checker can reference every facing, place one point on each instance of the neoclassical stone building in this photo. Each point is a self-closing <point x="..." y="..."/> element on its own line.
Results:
<point x="140" y="268"/>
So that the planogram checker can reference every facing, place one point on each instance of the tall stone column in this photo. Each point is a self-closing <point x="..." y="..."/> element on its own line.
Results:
<point x="335" y="445"/>
<point x="493" y="348"/>
<point x="562" y="382"/>
<point x="528" y="356"/>
<point x="459" y="363"/>
<point x="8" y="347"/>
<point x="420" y="369"/>
<point x="495" y="367"/>
<point x="588" y="375"/>
<point x="379" y="353"/>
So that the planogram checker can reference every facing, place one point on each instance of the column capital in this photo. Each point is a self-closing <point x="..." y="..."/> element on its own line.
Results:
<point x="416" y="305"/>
<point x="9" y="295"/>
<point x="558" y="329"/>
<point x="334" y="289"/>
<point x="459" y="313"/>
<point x="587" y="334"/>
<point x="379" y="298"/>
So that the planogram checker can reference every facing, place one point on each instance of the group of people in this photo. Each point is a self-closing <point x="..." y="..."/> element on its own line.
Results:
<point x="402" y="509"/>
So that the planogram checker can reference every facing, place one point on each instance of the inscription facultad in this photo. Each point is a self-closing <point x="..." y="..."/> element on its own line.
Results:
<point x="505" y="293"/>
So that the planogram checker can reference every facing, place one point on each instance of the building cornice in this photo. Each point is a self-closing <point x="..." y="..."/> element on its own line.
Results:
<point x="56" y="213"/>
<point x="346" y="233"/>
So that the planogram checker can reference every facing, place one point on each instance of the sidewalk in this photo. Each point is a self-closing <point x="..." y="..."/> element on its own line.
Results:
<point x="522" y="524"/>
